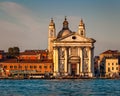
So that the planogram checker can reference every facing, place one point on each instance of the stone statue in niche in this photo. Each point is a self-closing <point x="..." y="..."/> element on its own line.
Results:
<point x="85" y="66"/>
<point x="85" y="53"/>
<point x="61" y="67"/>
<point x="63" y="54"/>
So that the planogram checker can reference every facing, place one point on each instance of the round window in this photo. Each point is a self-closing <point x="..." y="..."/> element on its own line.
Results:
<point x="74" y="37"/>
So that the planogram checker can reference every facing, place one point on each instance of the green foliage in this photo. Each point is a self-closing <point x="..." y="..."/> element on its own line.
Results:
<point x="16" y="51"/>
<point x="13" y="52"/>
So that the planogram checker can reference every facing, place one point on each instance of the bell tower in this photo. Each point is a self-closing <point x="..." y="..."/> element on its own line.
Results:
<point x="51" y="37"/>
<point x="81" y="29"/>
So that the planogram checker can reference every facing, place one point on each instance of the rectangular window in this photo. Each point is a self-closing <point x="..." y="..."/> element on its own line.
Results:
<point x="40" y="67"/>
<point x="26" y="67"/>
<point x="116" y="68"/>
<point x="11" y="67"/>
<point x="5" y="67"/>
<point x="35" y="67"/>
<point x="20" y="66"/>
<point x="112" y="63"/>
<point x="108" y="69"/>
<point x="31" y="67"/>
<point x="108" y="63"/>
<point x="15" y="67"/>
<point x="112" y="68"/>
<point x="45" y="67"/>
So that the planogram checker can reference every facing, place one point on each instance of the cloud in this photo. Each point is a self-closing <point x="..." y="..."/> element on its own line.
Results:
<point x="19" y="25"/>
<point x="9" y="29"/>
<point x="22" y="15"/>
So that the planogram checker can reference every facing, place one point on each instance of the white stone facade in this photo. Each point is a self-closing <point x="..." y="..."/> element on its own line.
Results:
<point x="72" y="51"/>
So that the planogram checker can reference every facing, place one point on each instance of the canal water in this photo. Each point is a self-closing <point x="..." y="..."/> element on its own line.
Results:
<point x="78" y="87"/>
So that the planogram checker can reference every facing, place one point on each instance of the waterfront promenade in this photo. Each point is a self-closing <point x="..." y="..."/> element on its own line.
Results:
<point x="59" y="78"/>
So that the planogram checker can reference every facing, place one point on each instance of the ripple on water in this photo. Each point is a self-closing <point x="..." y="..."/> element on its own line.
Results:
<point x="97" y="87"/>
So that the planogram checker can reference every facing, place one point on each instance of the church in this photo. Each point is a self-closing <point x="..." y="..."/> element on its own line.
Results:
<point x="72" y="52"/>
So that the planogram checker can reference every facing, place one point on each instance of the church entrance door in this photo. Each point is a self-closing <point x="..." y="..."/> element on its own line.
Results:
<point x="73" y="69"/>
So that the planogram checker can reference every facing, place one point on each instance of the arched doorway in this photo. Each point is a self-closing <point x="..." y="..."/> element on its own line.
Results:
<point x="73" y="64"/>
<point x="73" y="69"/>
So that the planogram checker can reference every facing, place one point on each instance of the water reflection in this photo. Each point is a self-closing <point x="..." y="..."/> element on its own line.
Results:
<point x="98" y="87"/>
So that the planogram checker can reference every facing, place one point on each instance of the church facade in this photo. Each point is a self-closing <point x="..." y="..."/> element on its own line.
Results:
<point x="72" y="52"/>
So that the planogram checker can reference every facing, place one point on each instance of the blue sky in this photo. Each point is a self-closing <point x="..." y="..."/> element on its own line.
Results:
<point x="24" y="23"/>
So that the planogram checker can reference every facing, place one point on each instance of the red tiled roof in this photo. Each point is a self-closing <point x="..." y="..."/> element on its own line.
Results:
<point x="33" y="52"/>
<point x="28" y="53"/>
<point x="110" y="52"/>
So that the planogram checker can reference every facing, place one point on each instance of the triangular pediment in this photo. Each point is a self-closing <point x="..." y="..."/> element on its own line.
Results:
<point x="74" y="37"/>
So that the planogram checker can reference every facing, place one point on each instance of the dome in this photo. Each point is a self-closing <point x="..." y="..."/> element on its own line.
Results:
<point x="65" y="22"/>
<point x="65" y="30"/>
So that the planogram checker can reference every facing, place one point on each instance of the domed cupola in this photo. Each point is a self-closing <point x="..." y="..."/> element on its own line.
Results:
<point x="65" y="30"/>
<point x="52" y="23"/>
<point x="65" y="24"/>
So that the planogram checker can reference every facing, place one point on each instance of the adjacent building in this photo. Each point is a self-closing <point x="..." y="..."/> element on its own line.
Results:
<point x="112" y="67"/>
<point x="109" y="63"/>
<point x="28" y="63"/>
<point x="96" y="66"/>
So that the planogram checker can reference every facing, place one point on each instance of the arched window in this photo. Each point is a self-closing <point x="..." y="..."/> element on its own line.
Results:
<point x="82" y="33"/>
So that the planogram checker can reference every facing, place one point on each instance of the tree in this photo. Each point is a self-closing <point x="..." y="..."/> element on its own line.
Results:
<point x="10" y="52"/>
<point x="13" y="52"/>
<point x="16" y="51"/>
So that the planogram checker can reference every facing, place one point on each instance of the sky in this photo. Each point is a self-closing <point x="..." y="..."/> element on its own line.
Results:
<point x="24" y="23"/>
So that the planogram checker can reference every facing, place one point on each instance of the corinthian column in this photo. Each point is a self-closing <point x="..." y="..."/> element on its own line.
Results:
<point x="89" y="63"/>
<point x="65" y="66"/>
<point x="81" y="60"/>
<point x="78" y="68"/>
<point x="55" y="60"/>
